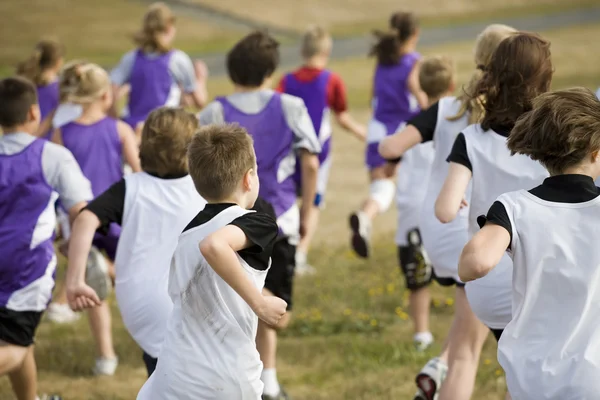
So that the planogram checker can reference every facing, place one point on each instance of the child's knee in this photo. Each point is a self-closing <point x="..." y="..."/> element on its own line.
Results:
<point x="382" y="192"/>
<point x="12" y="356"/>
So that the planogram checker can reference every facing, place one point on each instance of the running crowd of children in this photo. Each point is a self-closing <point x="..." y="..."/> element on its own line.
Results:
<point x="495" y="194"/>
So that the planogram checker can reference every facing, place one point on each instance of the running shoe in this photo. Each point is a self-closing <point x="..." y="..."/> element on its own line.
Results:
<point x="361" y="232"/>
<point x="429" y="380"/>
<point x="96" y="274"/>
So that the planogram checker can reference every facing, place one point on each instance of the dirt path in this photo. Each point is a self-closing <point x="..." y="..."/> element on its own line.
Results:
<point x="358" y="46"/>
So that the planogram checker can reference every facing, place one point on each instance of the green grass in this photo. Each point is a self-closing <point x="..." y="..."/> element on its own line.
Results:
<point x="350" y="337"/>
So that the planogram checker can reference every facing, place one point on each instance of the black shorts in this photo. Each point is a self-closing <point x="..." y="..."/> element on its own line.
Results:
<point x="18" y="327"/>
<point x="414" y="263"/>
<point x="150" y="363"/>
<point x="447" y="281"/>
<point x="497" y="333"/>
<point x="280" y="277"/>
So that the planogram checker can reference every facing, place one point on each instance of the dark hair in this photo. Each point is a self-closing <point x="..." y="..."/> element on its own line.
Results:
<point x="387" y="49"/>
<point x="166" y="135"/>
<point x="253" y="59"/>
<point x="519" y="71"/>
<point x="219" y="156"/>
<point x="17" y="95"/>
<point x="561" y="130"/>
<point x="47" y="54"/>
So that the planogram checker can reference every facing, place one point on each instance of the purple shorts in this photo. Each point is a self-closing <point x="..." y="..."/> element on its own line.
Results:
<point x="376" y="132"/>
<point x="108" y="242"/>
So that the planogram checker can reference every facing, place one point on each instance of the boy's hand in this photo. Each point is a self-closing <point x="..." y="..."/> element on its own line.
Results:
<point x="271" y="310"/>
<point x="81" y="296"/>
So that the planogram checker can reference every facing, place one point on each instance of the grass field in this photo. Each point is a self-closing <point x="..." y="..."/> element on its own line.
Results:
<point x="350" y="337"/>
<point x="348" y="17"/>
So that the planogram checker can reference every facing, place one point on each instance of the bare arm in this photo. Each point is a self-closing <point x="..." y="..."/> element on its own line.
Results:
<point x="46" y="124"/>
<point x="483" y="252"/>
<point x="199" y="97"/>
<point x="349" y="124"/>
<point x="451" y="197"/>
<point x="415" y="87"/>
<point x="396" y="145"/>
<point x="56" y="137"/>
<point x="219" y="251"/>
<point x="310" y="168"/>
<point x="129" y="145"/>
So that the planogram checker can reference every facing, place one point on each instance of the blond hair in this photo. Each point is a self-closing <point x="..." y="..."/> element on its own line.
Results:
<point x="81" y="82"/>
<point x="561" y="130"/>
<point x="46" y="55"/>
<point x="436" y="75"/>
<point x="157" y="20"/>
<point x="316" y="40"/>
<point x="166" y="136"/>
<point x="485" y="45"/>
<point x="219" y="157"/>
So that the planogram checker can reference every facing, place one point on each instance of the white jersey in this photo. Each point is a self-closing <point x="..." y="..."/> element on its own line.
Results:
<point x="551" y="348"/>
<point x="495" y="172"/>
<point x="210" y="350"/>
<point x="411" y="187"/>
<point x="155" y="212"/>
<point x="443" y="242"/>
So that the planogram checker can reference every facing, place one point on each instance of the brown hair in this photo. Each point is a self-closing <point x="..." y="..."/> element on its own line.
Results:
<point x="561" y="130"/>
<point x="253" y="59"/>
<point x="219" y="156"/>
<point x="485" y="45"/>
<point x="46" y="55"/>
<point x="388" y="45"/>
<point x="519" y="71"/>
<point x="436" y="75"/>
<point x="17" y="95"/>
<point x="316" y="40"/>
<point x="166" y="136"/>
<point x="82" y="82"/>
<point x="157" y="20"/>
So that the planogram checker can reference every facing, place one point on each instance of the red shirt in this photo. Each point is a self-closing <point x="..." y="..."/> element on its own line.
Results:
<point x="336" y="91"/>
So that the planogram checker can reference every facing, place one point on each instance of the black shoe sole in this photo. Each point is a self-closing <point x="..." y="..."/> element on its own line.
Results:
<point x="359" y="244"/>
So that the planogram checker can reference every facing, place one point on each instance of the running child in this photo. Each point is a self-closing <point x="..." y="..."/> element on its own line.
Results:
<point x="152" y="207"/>
<point x="437" y="79"/>
<point x="549" y="348"/>
<point x="323" y="91"/>
<point x="99" y="144"/>
<point x="217" y="273"/>
<point x="519" y="71"/>
<point x="33" y="174"/>
<point x="42" y="68"/>
<point x="443" y="243"/>
<point x="397" y="98"/>
<point x="283" y="132"/>
<point x="156" y="73"/>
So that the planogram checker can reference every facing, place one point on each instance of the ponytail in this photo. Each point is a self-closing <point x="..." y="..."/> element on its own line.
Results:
<point x="387" y="47"/>
<point x="156" y="21"/>
<point x="470" y="104"/>
<point x="30" y="68"/>
<point x="48" y="53"/>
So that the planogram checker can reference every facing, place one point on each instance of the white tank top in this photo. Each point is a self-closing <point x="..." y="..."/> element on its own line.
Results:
<point x="551" y="347"/>
<point x="210" y="349"/>
<point x="156" y="211"/>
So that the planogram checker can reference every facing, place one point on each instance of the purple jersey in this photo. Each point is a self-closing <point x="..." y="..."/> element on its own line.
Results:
<point x="48" y="98"/>
<point x="274" y="147"/>
<point x="27" y="254"/>
<point x="151" y="83"/>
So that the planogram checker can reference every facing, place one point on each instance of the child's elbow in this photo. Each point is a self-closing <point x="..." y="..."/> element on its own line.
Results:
<point x="209" y="247"/>
<point x="310" y="163"/>
<point x="384" y="149"/>
<point x="472" y="265"/>
<point x="444" y="214"/>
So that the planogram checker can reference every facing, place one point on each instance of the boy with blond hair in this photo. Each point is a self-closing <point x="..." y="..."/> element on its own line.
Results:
<point x="323" y="91"/>
<point x="216" y="277"/>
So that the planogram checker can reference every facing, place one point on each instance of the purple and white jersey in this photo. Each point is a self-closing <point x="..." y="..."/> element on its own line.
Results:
<point x="48" y="99"/>
<point x="280" y="126"/>
<point x="97" y="148"/>
<point x="156" y="80"/>
<point x="33" y="174"/>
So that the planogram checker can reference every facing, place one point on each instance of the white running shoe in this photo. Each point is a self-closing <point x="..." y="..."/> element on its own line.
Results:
<point x="96" y="274"/>
<point x="302" y="267"/>
<point x="106" y="366"/>
<point x="361" y="233"/>
<point x="61" y="313"/>
<point x="429" y="381"/>
<point x="422" y="341"/>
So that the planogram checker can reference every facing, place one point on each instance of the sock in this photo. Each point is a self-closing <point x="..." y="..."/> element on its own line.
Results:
<point x="269" y="378"/>
<point x="300" y="258"/>
<point x="423" y="337"/>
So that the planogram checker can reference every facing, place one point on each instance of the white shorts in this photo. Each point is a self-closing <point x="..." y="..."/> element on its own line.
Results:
<point x="490" y="297"/>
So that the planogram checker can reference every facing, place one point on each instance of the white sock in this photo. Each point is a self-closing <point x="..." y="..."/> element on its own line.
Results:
<point x="300" y="258"/>
<point x="423" y="337"/>
<point x="269" y="378"/>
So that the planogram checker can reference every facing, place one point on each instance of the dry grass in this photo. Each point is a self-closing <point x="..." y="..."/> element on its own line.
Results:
<point x="358" y="16"/>
<point x="350" y="338"/>
<point x="98" y="30"/>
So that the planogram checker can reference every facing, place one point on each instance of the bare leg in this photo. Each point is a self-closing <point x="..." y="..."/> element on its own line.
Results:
<point x="24" y="378"/>
<point x="100" y="325"/>
<point x="466" y="339"/>
<point x="311" y="228"/>
<point x="420" y="301"/>
<point x="11" y="357"/>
